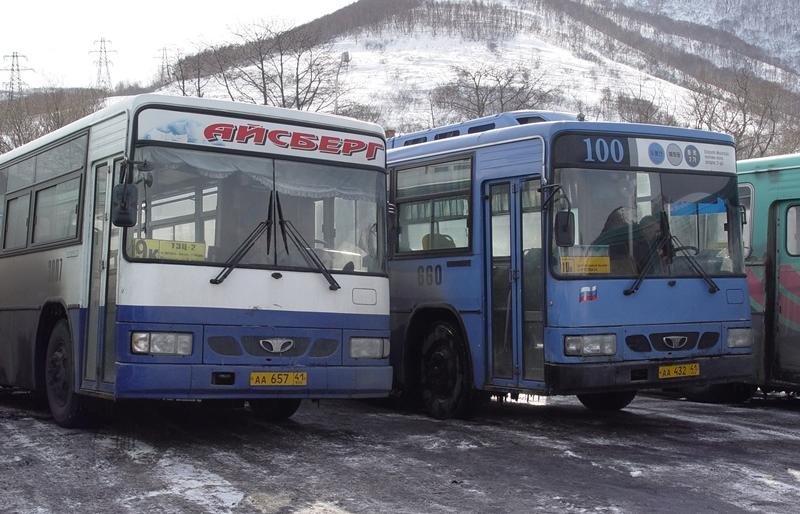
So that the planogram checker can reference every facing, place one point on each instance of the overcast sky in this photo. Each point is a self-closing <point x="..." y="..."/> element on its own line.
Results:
<point x="57" y="36"/>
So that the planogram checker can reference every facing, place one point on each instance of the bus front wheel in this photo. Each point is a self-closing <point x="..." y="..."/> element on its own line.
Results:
<point x="69" y="409"/>
<point x="274" y="409"/>
<point x="444" y="382"/>
<point x="607" y="402"/>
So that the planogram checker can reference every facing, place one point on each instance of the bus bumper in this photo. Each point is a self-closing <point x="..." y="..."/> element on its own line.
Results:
<point x="197" y="381"/>
<point x="588" y="378"/>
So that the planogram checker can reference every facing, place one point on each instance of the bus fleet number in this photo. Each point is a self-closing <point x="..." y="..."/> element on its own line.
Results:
<point x="429" y="275"/>
<point x="602" y="150"/>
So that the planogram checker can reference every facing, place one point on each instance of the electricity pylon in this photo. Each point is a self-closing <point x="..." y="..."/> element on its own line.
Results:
<point x="103" y="64"/>
<point x="15" y="84"/>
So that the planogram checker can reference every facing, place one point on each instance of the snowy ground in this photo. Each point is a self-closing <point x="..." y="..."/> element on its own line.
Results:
<point x="660" y="455"/>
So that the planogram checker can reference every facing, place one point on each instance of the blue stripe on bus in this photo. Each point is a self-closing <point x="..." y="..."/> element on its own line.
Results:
<point x="252" y="317"/>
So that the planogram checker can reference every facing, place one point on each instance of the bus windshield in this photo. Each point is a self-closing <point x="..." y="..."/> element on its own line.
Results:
<point x="619" y="220"/>
<point x="198" y="206"/>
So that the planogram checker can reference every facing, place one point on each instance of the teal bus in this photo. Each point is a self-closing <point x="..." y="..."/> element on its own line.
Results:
<point x="769" y="191"/>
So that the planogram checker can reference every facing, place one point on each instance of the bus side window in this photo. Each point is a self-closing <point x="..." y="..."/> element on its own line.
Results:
<point x="16" y="231"/>
<point x="433" y="206"/>
<point x="746" y="201"/>
<point x="3" y="182"/>
<point x="793" y="230"/>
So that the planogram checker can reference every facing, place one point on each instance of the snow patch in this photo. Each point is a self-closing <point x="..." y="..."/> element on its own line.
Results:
<point x="207" y="490"/>
<point x="263" y="502"/>
<point x="322" y="508"/>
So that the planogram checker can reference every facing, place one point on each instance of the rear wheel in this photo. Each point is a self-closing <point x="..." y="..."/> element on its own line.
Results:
<point x="444" y="381"/>
<point x="68" y="408"/>
<point x="607" y="402"/>
<point x="274" y="409"/>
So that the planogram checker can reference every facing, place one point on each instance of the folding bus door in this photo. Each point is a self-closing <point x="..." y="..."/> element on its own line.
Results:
<point x="532" y="280"/>
<point x="512" y="214"/>
<point x="99" y="355"/>
<point x="785" y="350"/>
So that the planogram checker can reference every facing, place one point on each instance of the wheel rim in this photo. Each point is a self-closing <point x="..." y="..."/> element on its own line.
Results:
<point x="57" y="375"/>
<point x="441" y="370"/>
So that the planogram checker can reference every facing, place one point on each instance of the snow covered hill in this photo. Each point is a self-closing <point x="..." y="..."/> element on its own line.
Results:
<point x="590" y="49"/>
<point x="772" y="25"/>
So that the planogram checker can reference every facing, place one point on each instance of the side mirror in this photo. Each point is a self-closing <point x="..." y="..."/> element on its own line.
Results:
<point x="124" y="205"/>
<point x="565" y="229"/>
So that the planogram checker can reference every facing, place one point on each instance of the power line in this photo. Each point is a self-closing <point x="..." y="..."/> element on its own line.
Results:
<point x="103" y="63"/>
<point x="15" y="84"/>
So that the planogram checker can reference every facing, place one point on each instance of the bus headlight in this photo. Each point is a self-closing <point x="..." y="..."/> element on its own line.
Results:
<point x="740" y="337"/>
<point x="600" y="344"/>
<point x="369" y="348"/>
<point x="161" y="343"/>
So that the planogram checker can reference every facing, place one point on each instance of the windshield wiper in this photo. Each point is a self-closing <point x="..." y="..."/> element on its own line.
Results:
<point x="712" y="286"/>
<point x="311" y="258"/>
<point x="670" y="244"/>
<point x="663" y="242"/>
<point x="245" y="246"/>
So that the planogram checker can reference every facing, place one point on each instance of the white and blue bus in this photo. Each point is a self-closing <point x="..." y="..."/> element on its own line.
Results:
<point x="177" y="248"/>
<point x="533" y="253"/>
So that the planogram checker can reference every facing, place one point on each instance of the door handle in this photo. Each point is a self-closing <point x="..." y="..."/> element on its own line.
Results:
<point x="513" y="275"/>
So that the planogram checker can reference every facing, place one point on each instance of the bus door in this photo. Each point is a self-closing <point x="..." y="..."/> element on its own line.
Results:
<point x="785" y="352"/>
<point x="514" y="282"/>
<point x="99" y="357"/>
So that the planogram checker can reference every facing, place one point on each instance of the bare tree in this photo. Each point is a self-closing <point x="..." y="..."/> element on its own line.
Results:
<point x="58" y="107"/>
<point x="221" y="65"/>
<point x="181" y="76"/>
<point x="17" y="123"/>
<point x="360" y="111"/>
<point x="27" y="117"/>
<point x="486" y="89"/>
<point x="751" y="111"/>
<point x="291" y="68"/>
<point x="189" y="74"/>
<point x="641" y="104"/>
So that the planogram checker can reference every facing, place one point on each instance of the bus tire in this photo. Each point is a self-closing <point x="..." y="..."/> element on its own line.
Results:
<point x="444" y="379"/>
<point x="607" y="402"/>
<point x="274" y="409"/>
<point x="69" y="409"/>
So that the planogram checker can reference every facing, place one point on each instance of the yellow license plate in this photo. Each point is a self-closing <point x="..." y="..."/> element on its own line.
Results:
<point x="278" y="378"/>
<point x="691" y="369"/>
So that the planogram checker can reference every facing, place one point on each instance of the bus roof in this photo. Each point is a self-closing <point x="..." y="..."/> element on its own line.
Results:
<point x="548" y="130"/>
<point x="504" y="119"/>
<point x="131" y="104"/>
<point x="774" y="163"/>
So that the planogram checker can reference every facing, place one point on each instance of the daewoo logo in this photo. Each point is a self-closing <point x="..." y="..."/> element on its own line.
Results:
<point x="276" y="345"/>
<point x="675" y="342"/>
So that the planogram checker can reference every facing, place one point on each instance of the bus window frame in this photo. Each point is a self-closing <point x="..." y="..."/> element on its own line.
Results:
<point x="420" y="254"/>
<point x="30" y="246"/>
<point x="748" y="250"/>
<point x="789" y="208"/>
<point x="553" y="164"/>
<point x="34" y="188"/>
<point x="10" y="198"/>
<point x="35" y="200"/>
<point x="266" y="155"/>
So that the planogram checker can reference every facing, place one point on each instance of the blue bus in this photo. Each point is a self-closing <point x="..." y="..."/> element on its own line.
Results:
<point x="549" y="255"/>
<point x="182" y="248"/>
